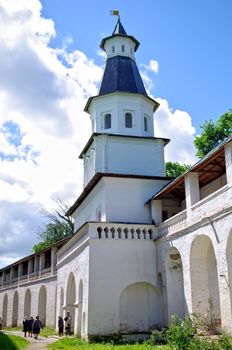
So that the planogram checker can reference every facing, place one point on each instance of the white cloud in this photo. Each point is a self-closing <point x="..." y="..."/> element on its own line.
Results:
<point x="176" y="125"/>
<point x="42" y="95"/>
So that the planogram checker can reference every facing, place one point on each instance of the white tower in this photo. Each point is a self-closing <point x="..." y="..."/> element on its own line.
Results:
<point x="122" y="151"/>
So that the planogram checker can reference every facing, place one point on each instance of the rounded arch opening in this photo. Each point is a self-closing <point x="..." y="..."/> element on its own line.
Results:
<point x="15" y="309"/>
<point x="4" y="310"/>
<point x="140" y="308"/>
<point x="204" y="277"/>
<point x="27" y="303"/>
<point x="42" y="305"/>
<point x="71" y="298"/>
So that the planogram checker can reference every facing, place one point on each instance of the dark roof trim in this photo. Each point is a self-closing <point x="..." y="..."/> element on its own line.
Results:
<point x="166" y="141"/>
<point x="89" y="101"/>
<point x="98" y="176"/>
<point x="196" y="167"/>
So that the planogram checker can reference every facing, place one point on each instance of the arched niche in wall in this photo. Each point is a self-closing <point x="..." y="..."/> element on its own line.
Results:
<point x="4" y="310"/>
<point x="175" y="285"/>
<point x="140" y="308"/>
<point x="42" y="305"/>
<point x="15" y="309"/>
<point x="27" y="303"/>
<point x="71" y="298"/>
<point x="204" y="277"/>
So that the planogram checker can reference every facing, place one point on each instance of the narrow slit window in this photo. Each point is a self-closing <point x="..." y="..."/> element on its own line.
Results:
<point x="107" y="121"/>
<point x="123" y="48"/>
<point x="128" y="120"/>
<point x="145" y="124"/>
<point x="113" y="49"/>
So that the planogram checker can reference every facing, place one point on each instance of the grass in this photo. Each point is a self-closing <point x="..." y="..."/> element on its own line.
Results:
<point x="45" y="332"/>
<point x="78" y="344"/>
<point x="12" y="342"/>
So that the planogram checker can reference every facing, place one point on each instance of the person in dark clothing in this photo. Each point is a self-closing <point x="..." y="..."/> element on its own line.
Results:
<point x="36" y="327"/>
<point x="68" y="321"/>
<point x="60" y="326"/>
<point x="30" y="321"/>
<point x="25" y="326"/>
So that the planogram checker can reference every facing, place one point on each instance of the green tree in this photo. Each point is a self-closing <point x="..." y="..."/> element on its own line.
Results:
<point x="59" y="226"/>
<point x="213" y="134"/>
<point x="174" y="169"/>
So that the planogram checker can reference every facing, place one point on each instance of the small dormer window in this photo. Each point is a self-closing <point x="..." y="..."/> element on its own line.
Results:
<point x="123" y="48"/>
<point x="113" y="49"/>
<point x="128" y="120"/>
<point x="107" y="121"/>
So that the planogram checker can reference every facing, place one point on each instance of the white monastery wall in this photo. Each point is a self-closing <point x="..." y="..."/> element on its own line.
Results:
<point x="202" y="246"/>
<point x="73" y="282"/>
<point x="137" y="264"/>
<point x="31" y="306"/>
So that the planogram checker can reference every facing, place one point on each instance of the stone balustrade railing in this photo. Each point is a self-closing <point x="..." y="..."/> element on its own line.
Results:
<point x="107" y="230"/>
<point x="173" y="224"/>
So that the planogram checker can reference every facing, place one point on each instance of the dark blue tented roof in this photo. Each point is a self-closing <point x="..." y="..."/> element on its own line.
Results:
<point x="119" y="29"/>
<point x="122" y="75"/>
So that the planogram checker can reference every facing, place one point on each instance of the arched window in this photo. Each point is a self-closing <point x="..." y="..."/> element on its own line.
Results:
<point x="107" y="121"/>
<point x="128" y="120"/>
<point x="145" y="123"/>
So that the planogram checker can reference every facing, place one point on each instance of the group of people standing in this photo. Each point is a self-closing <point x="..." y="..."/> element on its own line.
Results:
<point x="32" y="327"/>
<point x="67" y="321"/>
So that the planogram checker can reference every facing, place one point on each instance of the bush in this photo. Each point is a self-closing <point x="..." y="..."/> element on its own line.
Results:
<point x="157" y="337"/>
<point x="180" y="333"/>
<point x="225" y="341"/>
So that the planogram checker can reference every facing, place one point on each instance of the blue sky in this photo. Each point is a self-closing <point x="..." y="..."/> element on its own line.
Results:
<point x="191" y="40"/>
<point x="51" y="63"/>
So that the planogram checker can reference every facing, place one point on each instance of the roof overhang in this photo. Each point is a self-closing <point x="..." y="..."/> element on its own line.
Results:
<point x="95" y="134"/>
<point x="97" y="177"/>
<point x="90" y="99"/>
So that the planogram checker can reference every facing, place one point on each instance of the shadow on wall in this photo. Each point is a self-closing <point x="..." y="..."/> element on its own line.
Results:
<point x="6" y="343"/>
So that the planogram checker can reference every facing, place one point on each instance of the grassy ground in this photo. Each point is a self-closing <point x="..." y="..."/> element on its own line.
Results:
<point x="77" y="344"/>
<point x="12" y="342"/>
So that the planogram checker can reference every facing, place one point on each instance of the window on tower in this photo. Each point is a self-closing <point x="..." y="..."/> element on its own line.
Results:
<point x="113" y="49"/>
<point x="145" y="120"/>
<point x="123" y="48"/>
<point x="107" y="121"/>
<point x="128" y="120"/>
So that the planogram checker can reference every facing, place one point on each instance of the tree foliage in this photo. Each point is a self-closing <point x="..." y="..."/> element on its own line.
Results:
<point x="58" y="227"/>
<point x="213" y="134"/>
<point x="174" y="169"/>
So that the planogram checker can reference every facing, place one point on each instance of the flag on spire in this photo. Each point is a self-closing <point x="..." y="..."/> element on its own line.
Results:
<point x="114" y="13"/>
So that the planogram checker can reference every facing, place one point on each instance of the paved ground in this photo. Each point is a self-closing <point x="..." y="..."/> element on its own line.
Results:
<point x="40" y="344"/>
